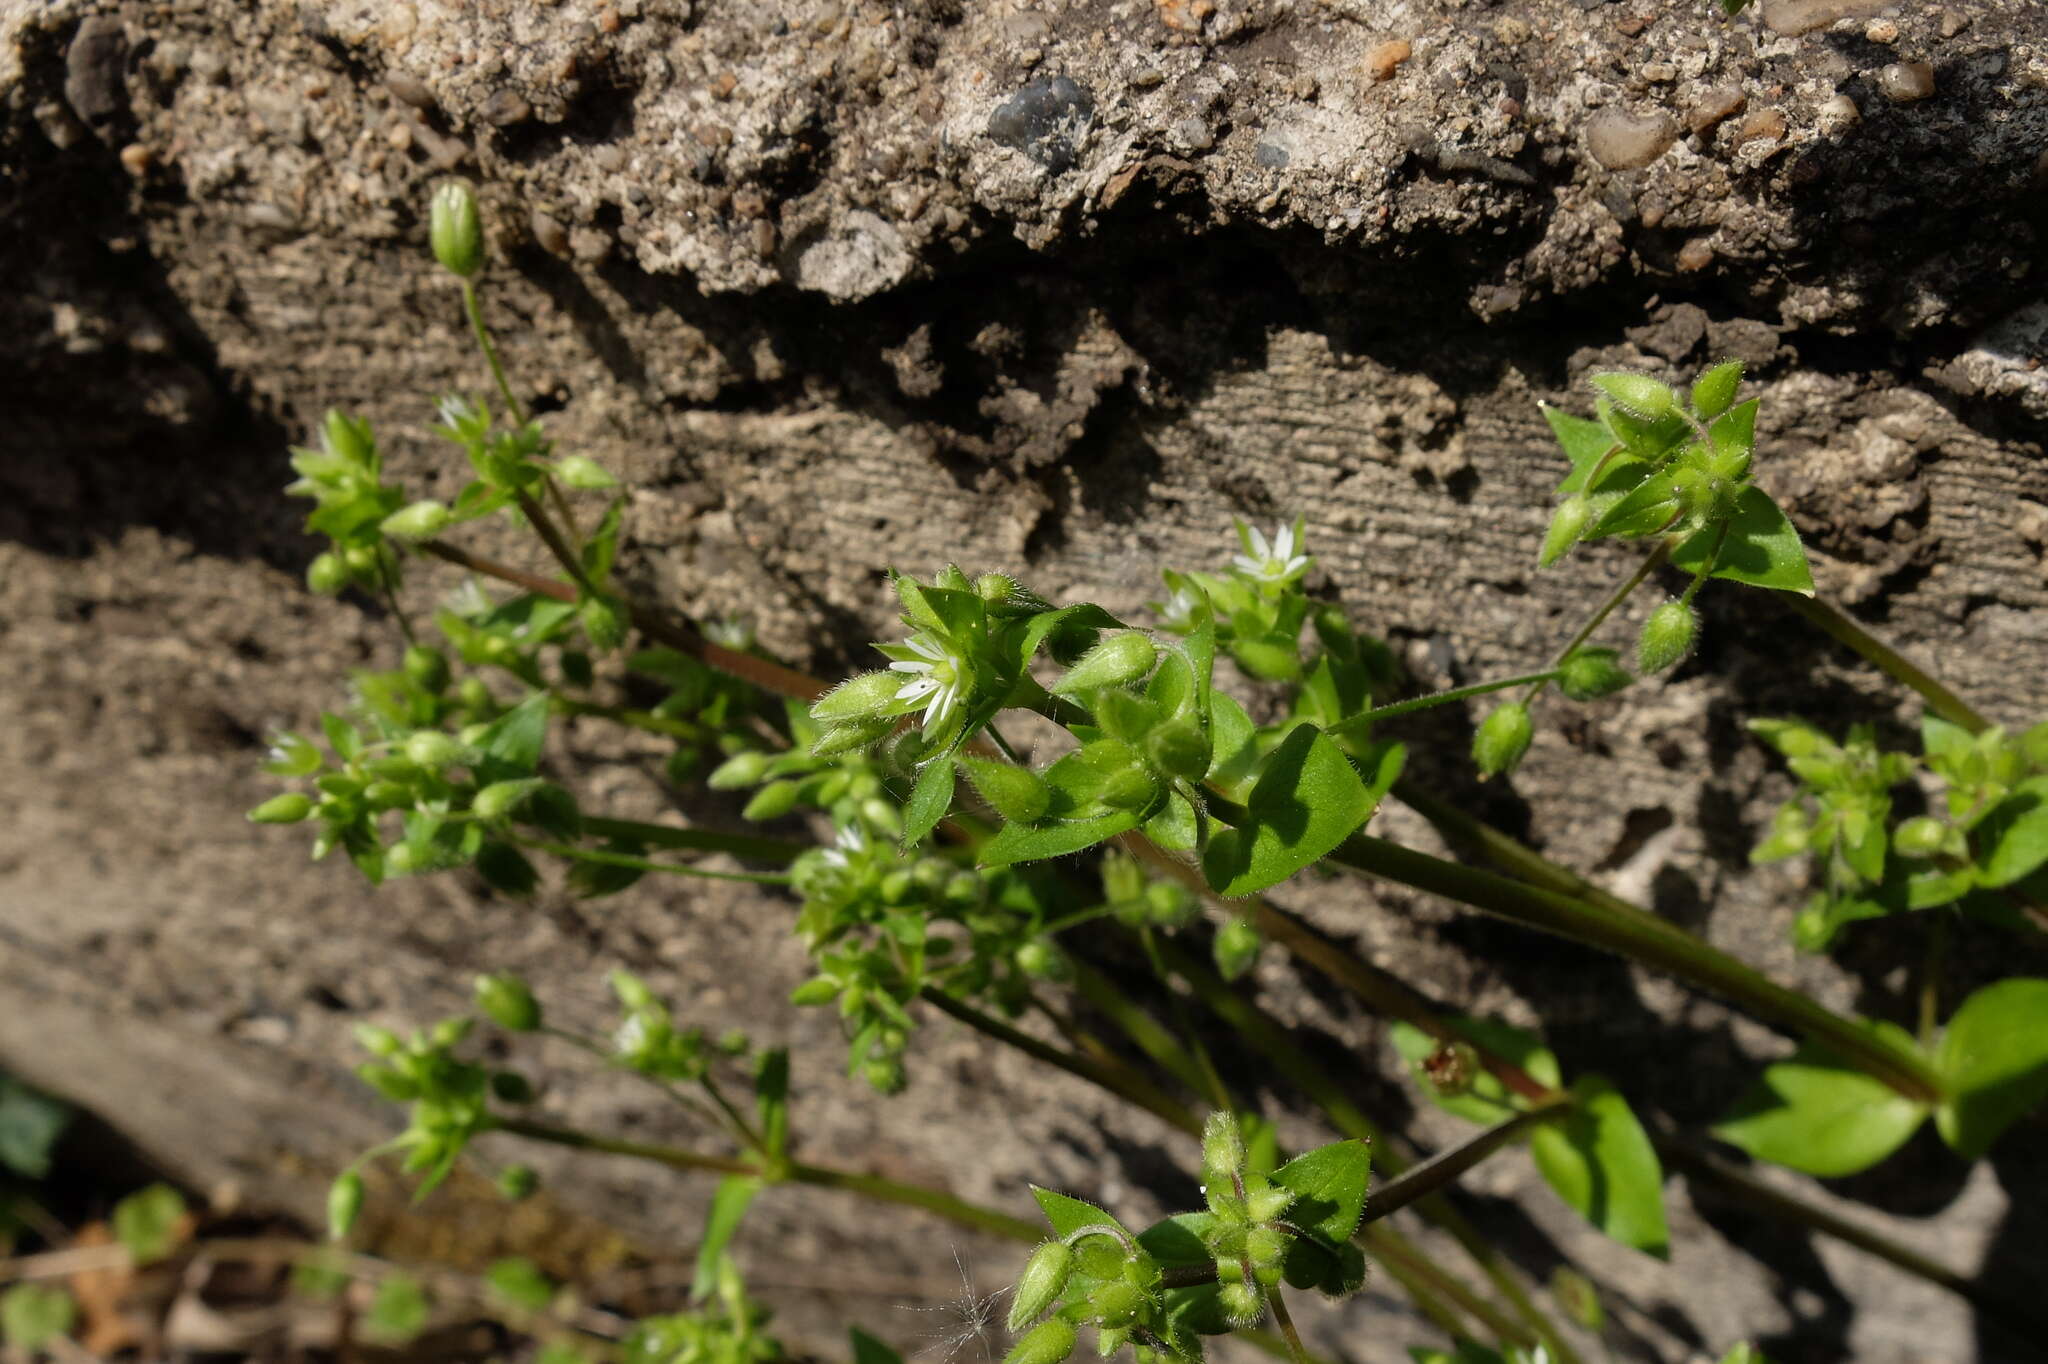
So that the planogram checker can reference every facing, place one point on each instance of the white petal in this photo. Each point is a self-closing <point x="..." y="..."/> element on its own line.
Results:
<point x="1283" y="543"/>
<point x="912" y="667"/>
<point x="1245" y="564"/>
<point x="911" y="691"/>
<point x="1260" y="549"/>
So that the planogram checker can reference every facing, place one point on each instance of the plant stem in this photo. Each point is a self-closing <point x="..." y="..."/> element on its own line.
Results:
<point x="1651" y="562"/>
<point x="1152" y="1037"/>
<point x="1557" y="901"/>
<point x="1406" y="1261"/>
<point x="472" y="305"/>
<point x="819" y="1176"/>
<point x="1843" y="630"/>
<point x="1126" y="1085"/>
<point x="752" y="847"/>
<point x="617" y="859"/>
<point x="1441" y="1170"/>
<point x="1212" y="1087"/>
<point x="1439" y="698"/>
<point x="1285" y="1322"/>
<point x="667" y="1090"/>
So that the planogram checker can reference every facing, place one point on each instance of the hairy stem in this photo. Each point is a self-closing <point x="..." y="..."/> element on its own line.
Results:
<point x="1440" y="698"/>
<point x="1897" y="666"/>
<point x="1650" y="564"/>
<point x="617" y="859"/>
<point x="1441" y="1170"/>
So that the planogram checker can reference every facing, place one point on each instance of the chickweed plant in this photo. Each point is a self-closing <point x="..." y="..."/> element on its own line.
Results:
<point x="945" y="875"/>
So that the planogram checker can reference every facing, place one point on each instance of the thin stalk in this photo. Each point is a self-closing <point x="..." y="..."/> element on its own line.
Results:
<point x="1441" y="1170"/>
<point x="667" y="1090"/>
<point x="1650" y="564"/>
<point x="1278" y="1304"/>
<point x="752" y="847"/>
<point x="1440" y="698"/>
<point x="1406" y="1260"/>
<point x="1425" y="1295"/>
<point x="1148" y="1033"/>
<point x="635" y="719"/>
<point x="472" y="306"/>
<point x="1212" y="1087"/>
<point x="618" y="859"/>
<point x="1604" y="921"/>
<point x="818" y="1176"/>
<point x="739" y="1123"/>
<point x="1897" y="666"/>
<point x="1126" y="1085"/>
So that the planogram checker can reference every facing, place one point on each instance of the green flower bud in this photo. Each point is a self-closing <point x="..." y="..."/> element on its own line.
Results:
<point x="1016" y="793"/>
<point x="1590" y="674"/>
<point x="427" y="667"/>
<point x="1049" y="1342"/>
<point x="815" y="991"/>
<point x="348" y="437"/>
<point x="455" y="229"/>
<point x="289" y="808"/>
<point x="1116" y="1303"/>
<point x="449" y="1031"/>
<point x="394" y="1085"/>
<point x="1222" y="1147"/>
<point x="1265" y="1245"/>
<point x="857" y="698"/>
<point x="327" y="574"/>
<point x="1110" y="1339"/>
<point x="1040" y="960"/>
<point x="387" y="795"/>
<point x="1131" y="788"/>
<point x="432" y="749"/>
<point x="498" y="800"/>
<point x="1237" y="948"/>
<point x="1567" y="524"/>
<point x="507" y="1002"/>
<point x="1667" y="637"/>
<point x="884" y="1074"/>
<point x="1043" y="1280"/>
<point x="344" y="1203"/>
<point x="583" y="473"/>
<point x="378" y="1041"/>
<point x="509" y="1086"/>
<point x="1714" y="392"/>
<point x="516" y="1182"/>
<point x="1180" y="750"/>
<point x="1242" y="1303"/>
<point x="853" y="737"/>
<point x="422" y="520"/>
<point x="1263" y="1205"/>
<point x="1168" y="905"/>
<point x="1921" y="836"/>
<point x="1119" y="659"/>
<point x="1636" y="394"/>
<point x="475" y="695"/>
<point x="741" y="769"/>
<point x="773" y="801"/>
<point x="1502" y="738"/>
<point x="604" y="622"/>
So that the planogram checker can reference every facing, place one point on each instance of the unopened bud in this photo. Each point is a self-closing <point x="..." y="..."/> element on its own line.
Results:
<point x="1921" y="836"/>
<point x="1119" y="659"/>
<point x="328" y="574"/>
<point x="1237" y="948"/>
<point x="1049" y="1342"/>
<point x="1044" y="1279"/>
<point x="423" y="520"/>
<point x="507" y="1002"/>
<point x="1590" y="674"/>
<point x="289" y="808"/>
<point x="344" y="1203"/>
<point x="427" y="667"/>
<point x="1567" y="524"/>
<point x="455" y="230"/>
<point x="1016" y="793"/>
<point x="432" y="749"/>
<point x="1502" y="738"/>
<point x="1667" y="637"/>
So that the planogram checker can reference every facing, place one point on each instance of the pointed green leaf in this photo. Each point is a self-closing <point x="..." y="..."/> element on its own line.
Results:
<point x="1761" y="547"/>
<point x="1601" y="1163"/>
<point x="1644" y="511"/>
<point x="728" y="1210"/>
<point x="1329" y="1187"/>
<point x="512" y="744"/>
<point x="1585" y="444"/>
<point x="1993" y="1060"/>
<point x="929" y="800"/>
<point x="1015" y="843"/>
<point x="2012" y="840"/>
<point x="1069" y="1215"/>
<point x="1234" y="744"/>
<point x="1307" y="800"/>
<point x="1815" y="1112"/>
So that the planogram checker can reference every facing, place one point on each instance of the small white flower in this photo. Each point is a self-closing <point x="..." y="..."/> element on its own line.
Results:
<point x="730" y="632"/>
<point x="1179" y="609"/>
<point x="850" y="843"/>
<point x="1269" y="562"/>
<point x="938" y="678"/>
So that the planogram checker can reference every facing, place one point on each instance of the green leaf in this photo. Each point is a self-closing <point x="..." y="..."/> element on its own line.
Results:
<point x="33" y="1314"/>
<point x="506" y="869"/>
<point x="1761" y="548"/>
<point x="30" y="1123"/>
<point x="1585" y="444"/>
<point x="518" y="1282"/>
<point x="146" y="1222"/>
<point x="868" y="1350"/>
<point x="1993" y="1060"/>
<point x="1234" y="744"/>
<point x="512" y="743"/>
<point x="1329" y="1186"/>
<point x="2012" y="840"/>
<point x="1817" y="1113"/>
<point x="1069" y="1215"/>
<point x="1015" y="843"/>
<point x="1307" y="800"/>
<point x="1174" y="828"/>
<point x="1600" y="1161"/>
<point x="929" y="800"/>
<point x="1645" y="510"/>
<point x="728" y="1209"/>
<point x="397" y="1313"/>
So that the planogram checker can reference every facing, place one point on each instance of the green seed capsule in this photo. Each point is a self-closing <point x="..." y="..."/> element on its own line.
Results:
<point x="455" y="229"/>
<point x="344" y="1203"/>
<point x="1117" y="660"/>
<point x="507" y="1002"/>
<point x="432" y="749"/>
<point x="1567" y="524"/>
<point x="1044" y="1279"/>
<point x="1921" y="836"/>
<point x="328" y="574"/>
<point x="1590" y="674"/>
<point x="1503" y="737"/>
<point x="423" y="520"/>
<point x="289" y="808"/>
<point x="1667" y="637"/>
<point x="427" y="667"/>
<point x="1049" y="1342"/>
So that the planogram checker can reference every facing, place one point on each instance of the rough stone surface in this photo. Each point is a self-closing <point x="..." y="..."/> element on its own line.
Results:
<point x="1052" y="288"/>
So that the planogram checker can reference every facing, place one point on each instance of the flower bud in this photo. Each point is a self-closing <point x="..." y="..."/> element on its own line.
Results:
<point x="1242" y="1303"/>
<point x="1042" y="961"/>
<point x="1222" y="1147"/>
<point x="1567" y="524"/>
<point x="1119" y="659"/>
<point x="1116" y="1303"/>
<point x="1179" y="749"/>
<point x="1502" y="738"/>
<point x="1237" y="948"/>
<point x="516" y="1182"/>
<point x="328" y="574"/>
<point x="1919" y="837"/>
<point x="815" y="991"/>
<point x="432" y="749"/>
<point x="1590" y="674"/>
<point x="1016" y="793"/>
<point x="1128" y="788"/>
<point x="1636" y="394"/>
<point x="1714" y="392"/>
<point x="1043" y="1280"/>
<point x="423" y="520"/>
<point x="344" y="1203"/>
<point x="1666" y="638"/>
<point x="1049" y="1342"/>
<point x="498" y="800"/>
<point x="1263" y="1205"/>
<point x="378" y="1041"/>
<point x="455" y="230"/>
<point x="583" y="473"/>
<point x="857" y="698"/>
<point x="427" y="667"/>
<point x="507" y="1002"/>
<point x="289" y="808"/>
<point x="773" y="801"/>
<point x="884" y="1074"/>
